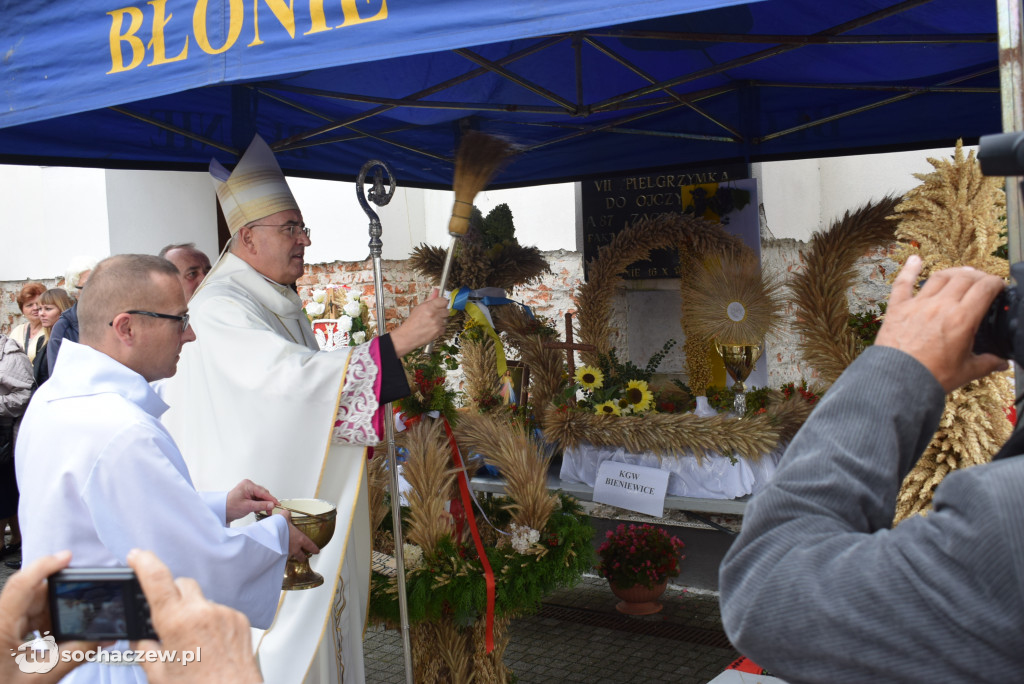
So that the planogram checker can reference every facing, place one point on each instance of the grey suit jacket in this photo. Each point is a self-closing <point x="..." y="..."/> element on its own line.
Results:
<point x="819" y="588"/>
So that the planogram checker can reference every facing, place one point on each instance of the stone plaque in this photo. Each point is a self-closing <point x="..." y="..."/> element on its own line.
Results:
<point x="609" y="204"/>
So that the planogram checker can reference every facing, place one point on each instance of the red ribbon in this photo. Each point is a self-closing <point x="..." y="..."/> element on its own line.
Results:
<point x="467" y="505"/>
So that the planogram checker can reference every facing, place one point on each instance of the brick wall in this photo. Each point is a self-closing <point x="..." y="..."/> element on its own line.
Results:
<point x="871" y="287"/>
<point x="552" y="295"/>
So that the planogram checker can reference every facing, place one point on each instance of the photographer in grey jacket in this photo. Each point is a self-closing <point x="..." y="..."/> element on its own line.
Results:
<point x="819" y="587"/>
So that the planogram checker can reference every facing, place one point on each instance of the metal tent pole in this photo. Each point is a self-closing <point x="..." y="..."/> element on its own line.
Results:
<point x="379" y="197"/>
<point x="1011" y="82"/>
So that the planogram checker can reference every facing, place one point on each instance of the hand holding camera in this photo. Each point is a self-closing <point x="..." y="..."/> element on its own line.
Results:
<point x="24" y="608"/>
<point x="937" y="326"/>
<point x="185" y="621"/>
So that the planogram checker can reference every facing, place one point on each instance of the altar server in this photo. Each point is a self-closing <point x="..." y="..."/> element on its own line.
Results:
<point x="100" y="475"/>
<point x="255" y="395"/>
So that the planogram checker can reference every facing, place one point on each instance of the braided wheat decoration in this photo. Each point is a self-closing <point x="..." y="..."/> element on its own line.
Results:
<point x="696" y="348"/>
<point x="691" y="235"/>
<point x="667" y="435"/>
<point x="521" y="461"/>
<point x="953" y="219"/>
<point x="819" y="292"/>
<point x="479" y="361"/>
<point x="547" y="367"/>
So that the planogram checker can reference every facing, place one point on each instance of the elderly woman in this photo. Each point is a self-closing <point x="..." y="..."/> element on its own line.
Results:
<point x="30" y="334"/>
<point x="15" y="390"/>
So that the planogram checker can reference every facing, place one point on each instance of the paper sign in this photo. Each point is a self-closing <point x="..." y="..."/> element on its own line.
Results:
<point x="383" y="564"/>
<point x="636" y="488"/>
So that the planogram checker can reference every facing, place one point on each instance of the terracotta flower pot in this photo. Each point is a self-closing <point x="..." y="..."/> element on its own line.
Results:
<point x="638" y="599"/>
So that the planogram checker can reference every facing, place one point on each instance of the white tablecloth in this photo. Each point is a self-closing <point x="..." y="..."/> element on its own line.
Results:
<point x="715" y="477"/>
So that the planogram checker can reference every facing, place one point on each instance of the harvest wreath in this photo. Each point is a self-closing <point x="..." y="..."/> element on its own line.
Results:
<point x="665" y="434"/>
<point x="953" y="218"/>
<point x="827" y="342"/>
<point x="489" y="255"/>
<point x="956" y="217"/>
<point x="534" y="542"/>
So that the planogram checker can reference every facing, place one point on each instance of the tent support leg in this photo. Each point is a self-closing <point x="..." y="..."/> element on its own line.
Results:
<point x="1011" y="82"/>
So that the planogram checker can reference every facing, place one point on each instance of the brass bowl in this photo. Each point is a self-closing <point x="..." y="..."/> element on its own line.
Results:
<point x="319" y="527"/>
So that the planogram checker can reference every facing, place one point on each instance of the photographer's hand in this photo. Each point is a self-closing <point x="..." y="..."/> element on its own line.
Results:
<point x="23" y="608"/>
<point x="937" y="325"/>
<point x="185" y="620"/>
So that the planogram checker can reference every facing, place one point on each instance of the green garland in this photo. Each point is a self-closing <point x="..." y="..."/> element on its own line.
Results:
<point x="453" y="582"/>
<point x="427" y="376"/>
<point x="865" y="325"/>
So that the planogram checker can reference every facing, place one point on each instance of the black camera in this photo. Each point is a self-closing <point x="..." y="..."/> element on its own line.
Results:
<point x="1002" y="154"/>
<point x="997" y="333"/>
<point x="98" y="604"/>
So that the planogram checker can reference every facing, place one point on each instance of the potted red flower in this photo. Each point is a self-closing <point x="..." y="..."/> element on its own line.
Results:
<point x="637" y="561"/>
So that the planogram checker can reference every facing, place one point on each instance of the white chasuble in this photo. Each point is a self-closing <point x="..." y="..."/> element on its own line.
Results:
<point x="254" y="398"/>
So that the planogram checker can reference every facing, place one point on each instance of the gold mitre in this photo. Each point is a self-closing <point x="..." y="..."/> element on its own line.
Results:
<point x="256" y="188"/>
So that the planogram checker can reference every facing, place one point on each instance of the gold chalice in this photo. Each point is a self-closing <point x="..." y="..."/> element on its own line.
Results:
<point x="315" y="518"/>
<point x="739" y="360"/>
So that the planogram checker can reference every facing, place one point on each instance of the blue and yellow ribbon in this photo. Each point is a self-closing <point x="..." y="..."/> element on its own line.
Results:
<point x="462" y="301"/>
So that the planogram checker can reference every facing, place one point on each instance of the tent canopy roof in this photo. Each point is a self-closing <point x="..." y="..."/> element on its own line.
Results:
<point x="585" y="88"/>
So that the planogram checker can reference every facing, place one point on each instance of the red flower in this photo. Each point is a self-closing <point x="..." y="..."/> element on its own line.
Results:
<point x="644" y="555"/>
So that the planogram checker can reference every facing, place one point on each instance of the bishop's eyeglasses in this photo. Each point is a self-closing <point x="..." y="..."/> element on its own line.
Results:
<point x="183" y="318"/>
<point x="290" y="229"/>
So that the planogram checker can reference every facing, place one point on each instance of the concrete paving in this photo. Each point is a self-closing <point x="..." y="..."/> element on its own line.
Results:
<point x="578" y="636"/>
<point x="5" y="571"/>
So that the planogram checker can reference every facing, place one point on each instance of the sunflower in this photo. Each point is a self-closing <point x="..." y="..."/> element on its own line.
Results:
<point x="608" y="408"/>
<point x="591" y="378"/>
<point x="638" y="396"/>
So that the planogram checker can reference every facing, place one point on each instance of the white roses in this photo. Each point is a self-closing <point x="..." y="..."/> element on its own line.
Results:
<point x="352" y="308"/>
<point x="318" y="305"/>
<point x="345" y="308"/>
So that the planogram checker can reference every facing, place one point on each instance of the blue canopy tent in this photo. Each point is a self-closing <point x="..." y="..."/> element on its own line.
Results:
<point x="584" y="87"/>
